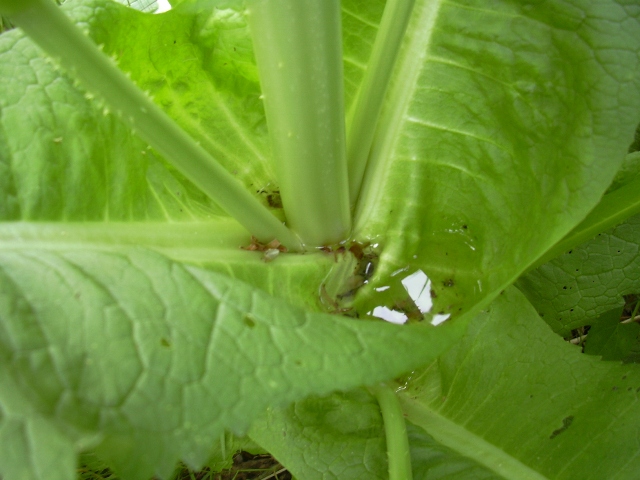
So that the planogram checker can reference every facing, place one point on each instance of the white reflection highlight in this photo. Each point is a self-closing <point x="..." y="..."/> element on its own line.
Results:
<point x="163" y="6"/>
<point x="439" y="318"/>
<point x="418" y="286"/>
<point x="389" y="315"/>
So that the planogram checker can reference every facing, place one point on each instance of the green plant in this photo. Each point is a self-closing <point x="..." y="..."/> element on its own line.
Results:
<point x="139" y="321"/>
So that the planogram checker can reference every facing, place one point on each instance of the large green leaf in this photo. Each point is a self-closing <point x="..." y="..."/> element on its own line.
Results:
<point x="150" y="360"/>
<point x="519" y="400"/>
<point x="505" y="123"/>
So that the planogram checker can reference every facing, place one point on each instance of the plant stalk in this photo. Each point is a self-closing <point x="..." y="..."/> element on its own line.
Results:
<point x="298" y="48"/>
<point x="396" y="433"/>
<point x="48" y="26"/>
<point x="368" y="104"/>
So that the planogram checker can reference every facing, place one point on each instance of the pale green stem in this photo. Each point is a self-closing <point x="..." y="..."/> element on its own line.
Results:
<point x="298" y="48"/>
<point x="613" y="209"/>
<point x="48" y="26"/>
<point x="395" y="430"/>
<point x="368" y="104"/>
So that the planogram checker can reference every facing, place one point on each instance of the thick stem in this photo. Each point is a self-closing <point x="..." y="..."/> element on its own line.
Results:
<point x="613" y="209"/>
<point x="366" y="110"/>
<point x="395" y="431"/>
<point x="47" y="25"/>
<point x="298" y="49"/>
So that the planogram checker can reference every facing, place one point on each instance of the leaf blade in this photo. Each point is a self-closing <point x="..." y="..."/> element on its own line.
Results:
<point x="557" y="419"/>
<point x="178" y="335"/>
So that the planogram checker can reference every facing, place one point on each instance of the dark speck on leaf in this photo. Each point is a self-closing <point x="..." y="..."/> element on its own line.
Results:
<point x="566" y="423"/>
<point x="464" y="226"/>
<point x="249" y="322"/>
<point x="448" y="282"/>
<point x="164" y="342"/>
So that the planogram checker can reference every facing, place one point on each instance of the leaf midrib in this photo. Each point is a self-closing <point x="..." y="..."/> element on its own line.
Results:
<point x="404" y="81"/>
<point x="201" y="241"/>
<point x="465" y="442"/>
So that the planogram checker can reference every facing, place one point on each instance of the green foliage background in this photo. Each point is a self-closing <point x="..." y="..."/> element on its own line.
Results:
<point x="133" y="325"/>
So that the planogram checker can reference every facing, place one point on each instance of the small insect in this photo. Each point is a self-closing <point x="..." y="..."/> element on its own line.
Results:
<point x="270" y="250"/>
<point x="270" y="254"/>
